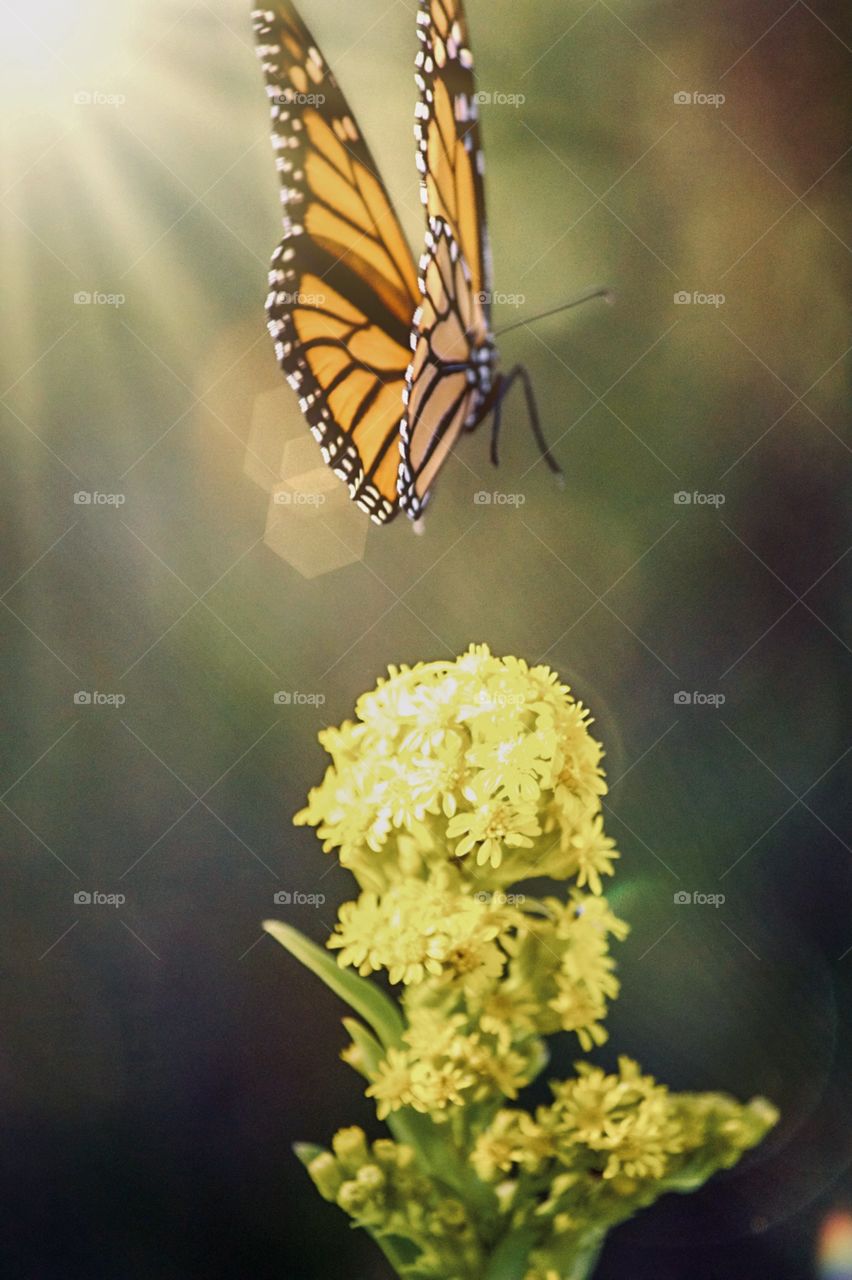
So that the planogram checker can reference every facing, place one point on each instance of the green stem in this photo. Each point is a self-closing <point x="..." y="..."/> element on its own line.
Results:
<point x="511" y="1258"/>
<point x="390" y="1252"/>
<point x="586" y="1262"/>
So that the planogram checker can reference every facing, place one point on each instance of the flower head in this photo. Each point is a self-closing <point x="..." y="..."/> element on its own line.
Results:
<point x="488" y="763"/>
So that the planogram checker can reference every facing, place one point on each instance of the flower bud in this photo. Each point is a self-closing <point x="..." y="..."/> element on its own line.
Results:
<point x="326" y="1175"/>
<point x="350" y="1147"/>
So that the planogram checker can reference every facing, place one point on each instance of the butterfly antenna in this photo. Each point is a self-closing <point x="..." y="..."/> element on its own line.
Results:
<point x="599" y="291"/>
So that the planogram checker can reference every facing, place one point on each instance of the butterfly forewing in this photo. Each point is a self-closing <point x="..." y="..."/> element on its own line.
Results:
<point x="343" y="285"/>
<point x="450" y="156"/>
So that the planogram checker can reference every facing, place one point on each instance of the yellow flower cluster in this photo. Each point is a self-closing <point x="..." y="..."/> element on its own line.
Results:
<point x="445" y="1063"/>
<point x="417" y="930"/>
<point x="484" y="762"/>
<point x="607" y="1146"/>
<point x="456" y="782"/>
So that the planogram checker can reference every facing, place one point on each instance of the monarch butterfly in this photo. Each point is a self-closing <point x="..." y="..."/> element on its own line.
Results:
<point x="391" y="364"/>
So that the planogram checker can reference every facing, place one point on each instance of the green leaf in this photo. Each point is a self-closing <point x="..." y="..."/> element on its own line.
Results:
<point x="307" y="1151"/>
<point x="371" y="1051"/>
<point x="366" y="999"/>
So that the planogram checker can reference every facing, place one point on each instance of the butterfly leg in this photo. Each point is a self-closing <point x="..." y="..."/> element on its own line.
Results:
<point x="520" y="373"/>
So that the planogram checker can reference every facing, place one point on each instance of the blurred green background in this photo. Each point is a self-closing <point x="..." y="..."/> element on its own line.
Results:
<point x="159" y="1057"/>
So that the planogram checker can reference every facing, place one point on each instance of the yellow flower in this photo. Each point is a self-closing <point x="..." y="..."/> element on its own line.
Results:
<point x="437" y="1086"/>
<point x="509" y="1014"/>
<point x="580" y="1011"/>
<point x="431" y="1032"/>
<point x="394" y="1084"/>
<point x="593" y="852"/>
<point x="496" y="823"/>
<point x="496" y="1149"/>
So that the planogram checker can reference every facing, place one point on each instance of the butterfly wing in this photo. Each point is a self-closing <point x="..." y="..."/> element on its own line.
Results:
<point x="449" y="380"/>
<point x="444" y="386"/>
<point x="450" y="156"/>
<point x="343" y="285"/>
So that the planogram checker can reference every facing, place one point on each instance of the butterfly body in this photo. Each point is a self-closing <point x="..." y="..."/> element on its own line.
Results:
<point x="391" y="363"/>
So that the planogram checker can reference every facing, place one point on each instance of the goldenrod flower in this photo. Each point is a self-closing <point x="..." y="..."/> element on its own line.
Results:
<point x="393" y="1085"/>
<point x="455" y="784"/>
<point x="494" y="823"/>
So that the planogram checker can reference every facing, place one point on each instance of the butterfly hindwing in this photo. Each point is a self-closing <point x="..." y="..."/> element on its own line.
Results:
<point x="451" y="370"/>
<point x="343" y="285"/>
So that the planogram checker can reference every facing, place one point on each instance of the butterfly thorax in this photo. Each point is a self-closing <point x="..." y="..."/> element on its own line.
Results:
<point x="483" y="377"/>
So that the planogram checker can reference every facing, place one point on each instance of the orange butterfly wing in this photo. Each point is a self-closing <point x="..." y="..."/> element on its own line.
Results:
<point x="343" y="285"/>
<point x="450" y="379"/>
<point x="450" y="155"/>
